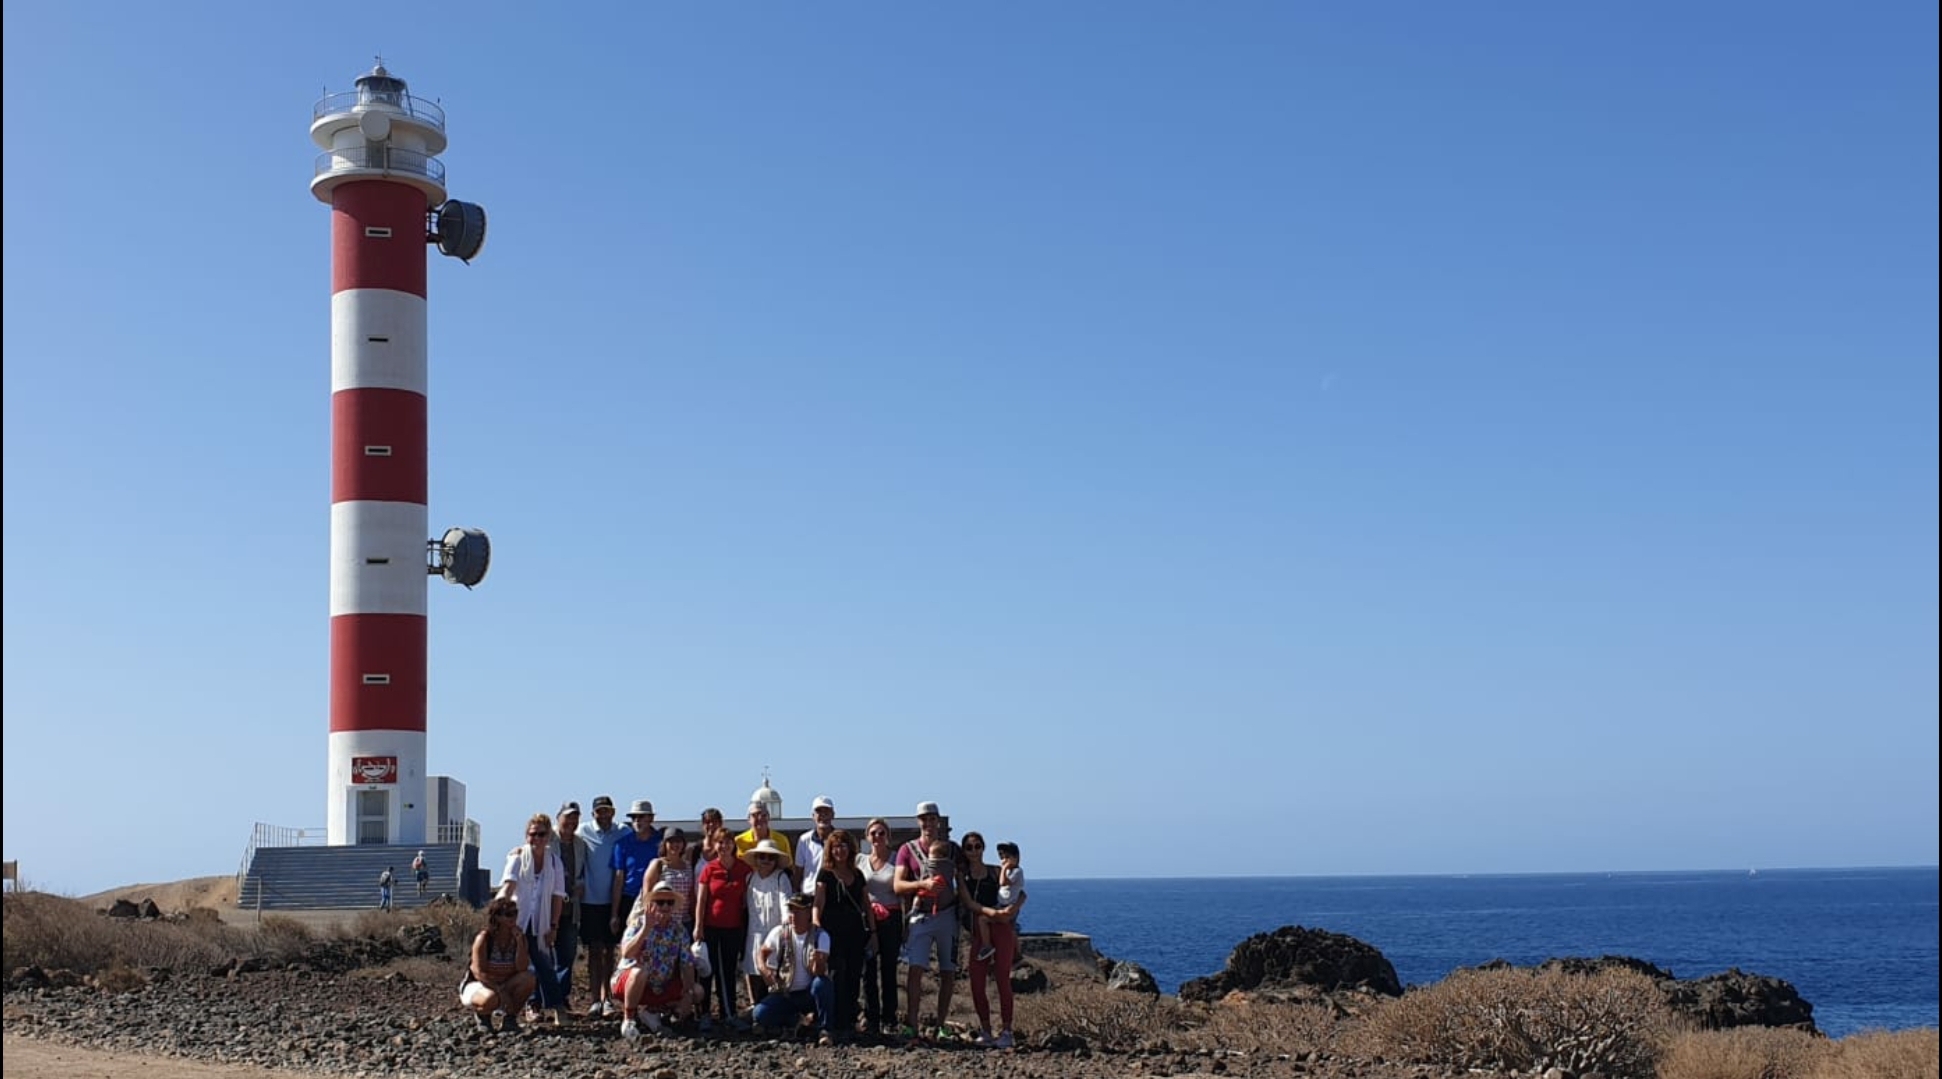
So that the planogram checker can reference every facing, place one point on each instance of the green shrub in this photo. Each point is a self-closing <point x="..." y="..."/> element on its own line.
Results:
<point x="1615" y="1022"/>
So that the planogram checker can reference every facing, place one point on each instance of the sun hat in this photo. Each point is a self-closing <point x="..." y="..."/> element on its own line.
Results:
<point x="822" y="802"/>
<point x="928" y="809"/>
<point x="642" y="808"/>
<point x="765" y="846"/>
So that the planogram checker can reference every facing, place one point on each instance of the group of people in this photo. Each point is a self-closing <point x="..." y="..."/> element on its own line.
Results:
<point x="676" y="927"/>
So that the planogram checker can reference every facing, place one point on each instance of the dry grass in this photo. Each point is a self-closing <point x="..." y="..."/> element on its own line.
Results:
<point x="1100" y="1016"/>
<point x="456" y="922"/>
<point x="1758" y="1053"/>
<point x="55" y="933"/>
<point x="1615" y="1022"/>
<point x="1901" y="1054"/>
<point x="1742" y="1053"/>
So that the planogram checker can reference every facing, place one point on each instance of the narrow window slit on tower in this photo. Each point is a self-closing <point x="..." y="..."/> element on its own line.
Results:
<point x="377" y="561"/>
<point x="377" y="340"/>
<point x="377" y="232"/>
<point x="377" y="679"/>
<point x="377" y="451"/>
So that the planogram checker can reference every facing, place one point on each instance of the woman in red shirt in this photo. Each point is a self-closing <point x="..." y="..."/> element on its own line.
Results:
<point x="721" y="920"/>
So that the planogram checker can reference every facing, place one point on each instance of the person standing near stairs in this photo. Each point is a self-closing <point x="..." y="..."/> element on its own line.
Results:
<point x="384" y="889"/>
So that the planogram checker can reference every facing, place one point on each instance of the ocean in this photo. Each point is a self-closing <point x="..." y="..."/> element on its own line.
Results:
<point x="1859" y="944"/>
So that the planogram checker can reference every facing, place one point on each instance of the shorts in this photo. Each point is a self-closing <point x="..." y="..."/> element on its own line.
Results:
<point x="668" y="997"/>
<point x="474" y="995"/>
<point x="596" y="928"/>
<point x="940" y="929"/>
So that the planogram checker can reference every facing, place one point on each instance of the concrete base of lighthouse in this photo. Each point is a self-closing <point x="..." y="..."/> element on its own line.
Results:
<point x="378" y="792"/>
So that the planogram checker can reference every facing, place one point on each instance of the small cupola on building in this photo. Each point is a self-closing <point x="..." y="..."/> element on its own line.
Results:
<point x="768" y="796"/>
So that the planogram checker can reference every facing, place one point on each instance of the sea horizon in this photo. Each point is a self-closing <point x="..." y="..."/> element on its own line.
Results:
<point x="1859" y="943"/>
<point x="1506" y="874"/>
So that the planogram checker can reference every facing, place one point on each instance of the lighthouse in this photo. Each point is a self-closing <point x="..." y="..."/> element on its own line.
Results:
<point x="380" y="175"/>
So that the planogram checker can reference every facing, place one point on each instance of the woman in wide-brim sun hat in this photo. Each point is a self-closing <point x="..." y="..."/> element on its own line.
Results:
<point x="768" y="891"/>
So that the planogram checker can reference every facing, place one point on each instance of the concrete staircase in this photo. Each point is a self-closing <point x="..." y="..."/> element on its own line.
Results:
<point x="346" y="878"/>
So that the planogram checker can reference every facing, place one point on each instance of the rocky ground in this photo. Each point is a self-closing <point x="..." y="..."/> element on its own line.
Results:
<point x="403" y="1020"/>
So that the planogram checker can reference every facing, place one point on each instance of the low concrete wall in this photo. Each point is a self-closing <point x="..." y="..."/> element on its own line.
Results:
<point x="1058" y="948"/>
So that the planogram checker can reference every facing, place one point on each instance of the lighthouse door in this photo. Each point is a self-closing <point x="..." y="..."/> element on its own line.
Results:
<point x="374" y="816"/>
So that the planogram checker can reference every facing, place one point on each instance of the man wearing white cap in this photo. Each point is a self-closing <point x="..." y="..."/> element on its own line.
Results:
<point x="809" y="849"/>
<point x="931" y="884"/>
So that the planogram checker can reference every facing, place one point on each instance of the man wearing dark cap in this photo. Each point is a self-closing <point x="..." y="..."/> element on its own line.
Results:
<point x="596" y="933"/>
<point x="575" y="859"/>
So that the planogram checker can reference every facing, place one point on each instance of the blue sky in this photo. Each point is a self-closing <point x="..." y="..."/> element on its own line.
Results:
<point x="1417" y="438"/>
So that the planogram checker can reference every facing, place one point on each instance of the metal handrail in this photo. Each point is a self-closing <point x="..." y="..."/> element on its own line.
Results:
<point x="277" y="835"/>
<point x="382" y="157"/>
<point x="365" y="101"/>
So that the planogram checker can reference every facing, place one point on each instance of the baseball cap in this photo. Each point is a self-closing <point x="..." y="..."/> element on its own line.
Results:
<point x="822" y="802"/>
<point x="603" y="802"/>
<point x="928" y="809"/>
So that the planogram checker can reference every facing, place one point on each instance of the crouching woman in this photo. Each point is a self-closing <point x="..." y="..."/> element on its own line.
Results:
<point x="499" y="978"/>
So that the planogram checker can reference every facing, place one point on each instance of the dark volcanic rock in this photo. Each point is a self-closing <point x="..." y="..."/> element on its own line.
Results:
<point x="149" y="910"/>
<point x="1737" y="999"/>
<point x="1295" y="957"/>
<point x="122" y="908"/>
<point x="1029" y="979"/>
<point x="1131" y="977"/>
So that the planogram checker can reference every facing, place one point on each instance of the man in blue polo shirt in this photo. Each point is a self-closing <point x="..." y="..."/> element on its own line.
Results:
<point x="632" y="854"/>
<point x="601" y="834"/>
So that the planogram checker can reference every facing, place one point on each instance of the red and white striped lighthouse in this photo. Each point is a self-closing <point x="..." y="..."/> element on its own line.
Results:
<point x="381" y="177"/>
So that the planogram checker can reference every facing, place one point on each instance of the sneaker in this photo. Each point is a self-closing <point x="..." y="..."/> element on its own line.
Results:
<point x="651" y="1022"/>
<point x="508" y="1023"/>
<point x="609" y="1007"/>
<point x="484" y="1021"/>
<point x="630" y="1029"/>
<point x="596" y="1010"/>
<point x="705" y="1025"/>
<point x="1002" y="1041"/>
<point x="982" y="1037"/>
<point x="986" y="952"/>
<point x="824" y="1039"/>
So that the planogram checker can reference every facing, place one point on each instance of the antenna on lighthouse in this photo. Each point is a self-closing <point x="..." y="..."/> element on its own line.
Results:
<point x="462" y="556"/>
<point x="459" y="229"/>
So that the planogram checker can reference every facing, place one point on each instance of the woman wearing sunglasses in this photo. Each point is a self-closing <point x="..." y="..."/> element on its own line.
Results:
<point x="769" y="888"/>
<point x="657" y="972"/>
<point x="536" y="882"/>
<point x="497" y="979"/>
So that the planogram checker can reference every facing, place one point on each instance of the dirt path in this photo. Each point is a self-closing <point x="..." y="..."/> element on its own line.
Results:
<point x="31" y="1058"/>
